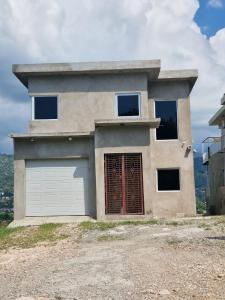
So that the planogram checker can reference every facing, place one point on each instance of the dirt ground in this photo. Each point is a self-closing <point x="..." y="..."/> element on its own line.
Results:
<point x="127" y="262"/>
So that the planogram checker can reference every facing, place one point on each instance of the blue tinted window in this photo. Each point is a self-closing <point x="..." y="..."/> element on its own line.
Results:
<point x="45" y="108"/>
<point x="168" y="180"/>
<point x="167" y="111"/>
<point x="128" y="105"/>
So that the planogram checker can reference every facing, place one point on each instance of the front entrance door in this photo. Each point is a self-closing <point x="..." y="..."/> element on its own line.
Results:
<point x="124" y="184"/>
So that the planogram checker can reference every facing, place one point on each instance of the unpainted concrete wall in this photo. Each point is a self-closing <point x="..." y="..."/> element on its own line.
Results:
<point x="47" y="149"/>
<point x="83" y="99"/>
<point x="216" y="183"/>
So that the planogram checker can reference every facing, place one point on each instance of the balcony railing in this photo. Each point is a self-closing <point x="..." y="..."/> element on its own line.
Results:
<point x="210" y="146"/>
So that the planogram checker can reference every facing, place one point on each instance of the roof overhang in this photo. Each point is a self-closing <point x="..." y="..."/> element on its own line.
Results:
<point x="51" y="135"/>
<point x="190" y="75"/>
<point x="25" y="71"/>
<point x="151" y="123"/>
<point x="218" y="117"/>
<point x="223" y="100"/>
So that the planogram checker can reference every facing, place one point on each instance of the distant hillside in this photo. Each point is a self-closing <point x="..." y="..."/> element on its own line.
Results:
<point x="6" y="174"/>
<point x="200" y="178"/>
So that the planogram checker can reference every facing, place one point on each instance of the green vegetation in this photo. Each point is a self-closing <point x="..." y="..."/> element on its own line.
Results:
<point x="6" y="217"/>
<point x="109" y="237"/>
<point x="174" y="242"/>
<point x="201" y="206"/>
<point x="28" y="237"/>
<point x="200" y="172"/>
<point x="6" y="174"/>
<point x="103" y="226"/>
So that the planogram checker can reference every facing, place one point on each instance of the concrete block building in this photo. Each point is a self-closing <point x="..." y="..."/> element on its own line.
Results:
<point x="213" y="150"/>
<point x="109" y="140"/>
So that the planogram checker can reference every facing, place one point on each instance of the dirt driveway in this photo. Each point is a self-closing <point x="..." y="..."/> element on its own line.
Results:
<point x="126" y="262"/>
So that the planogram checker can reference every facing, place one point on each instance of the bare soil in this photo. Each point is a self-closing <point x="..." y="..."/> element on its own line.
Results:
<point x="126" y="262"/>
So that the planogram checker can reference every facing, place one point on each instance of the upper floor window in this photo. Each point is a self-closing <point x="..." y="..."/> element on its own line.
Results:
<point x="128" y="105"/>
<point x="167" y="111"/>
<point x="45" y="108"/>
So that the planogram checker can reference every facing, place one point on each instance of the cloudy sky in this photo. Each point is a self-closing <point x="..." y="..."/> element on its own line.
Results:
<point x="182" y="33"/>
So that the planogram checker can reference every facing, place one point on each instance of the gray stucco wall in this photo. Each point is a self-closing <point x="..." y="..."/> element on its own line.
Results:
<point x="47" y="149"/>
<point x="216" y="183"/>
<point x="83" y="99"/>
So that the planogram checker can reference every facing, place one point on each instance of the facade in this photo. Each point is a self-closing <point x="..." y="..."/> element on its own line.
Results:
<point x="108" y="140"/>
<point x="213" y="149"/>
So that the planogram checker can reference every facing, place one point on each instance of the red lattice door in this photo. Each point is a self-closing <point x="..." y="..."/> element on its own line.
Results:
<point x="123" y="184"/>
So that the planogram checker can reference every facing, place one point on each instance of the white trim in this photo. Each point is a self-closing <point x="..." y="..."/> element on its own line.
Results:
<point x="32" y="107"/>
<point x="175" y="100"/>
<point x="168" y="191"/>
<point x="127" y="94"/>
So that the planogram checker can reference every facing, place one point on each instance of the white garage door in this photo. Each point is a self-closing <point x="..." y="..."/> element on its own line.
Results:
<point x="57" y="187"/>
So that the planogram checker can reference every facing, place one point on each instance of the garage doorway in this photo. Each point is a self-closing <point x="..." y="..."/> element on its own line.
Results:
<point x="57" y="187"/>
<point x="124" y="184"/>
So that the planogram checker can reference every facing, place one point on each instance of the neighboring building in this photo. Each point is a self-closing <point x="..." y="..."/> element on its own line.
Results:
<point x="95" y="147"/>
<point x="213" y="149"/>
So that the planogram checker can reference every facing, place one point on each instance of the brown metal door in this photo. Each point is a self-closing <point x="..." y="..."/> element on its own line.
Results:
<point x="123" y="184"/>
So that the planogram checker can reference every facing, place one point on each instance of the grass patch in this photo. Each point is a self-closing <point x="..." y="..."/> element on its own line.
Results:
<point x="6" y="232"/>
<point x="28" y="237"/>
<point x="109" y="237"/>
<point x="174" y="242"/>
<point x="173" y="223"/>
<point x="205" y="226"/>
<point x="103" y="226"/>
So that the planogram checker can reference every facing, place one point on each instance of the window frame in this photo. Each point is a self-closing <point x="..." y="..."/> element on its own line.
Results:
<point x="127" y="94"/>
<point x="168" y="191"/>
<point x="33" y="107"/>
<point x="155" y="136"/>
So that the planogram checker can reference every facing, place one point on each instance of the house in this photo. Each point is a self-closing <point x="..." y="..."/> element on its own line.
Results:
<point x="108" y="140"/>
<point x="213" y="150"/>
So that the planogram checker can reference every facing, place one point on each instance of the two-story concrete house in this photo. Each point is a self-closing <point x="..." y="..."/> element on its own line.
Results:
<point x="107" y="140"/>
<point x="213" y="150"/>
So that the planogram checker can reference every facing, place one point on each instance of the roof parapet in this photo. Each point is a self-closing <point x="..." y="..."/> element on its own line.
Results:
<point x="24" y="71"/>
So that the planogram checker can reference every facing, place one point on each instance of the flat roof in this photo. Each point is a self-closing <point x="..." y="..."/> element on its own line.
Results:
<point x="24" y="71"/>
<point x="151" y="67"/>
<point x="223" y="99"/>
<point x="189" y="75"/>
<point x="217" y="117"/>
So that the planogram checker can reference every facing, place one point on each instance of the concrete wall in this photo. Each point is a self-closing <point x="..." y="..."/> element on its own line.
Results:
<point x="83" y="99"/>
<point x="216" y="183"/>
<point x="155" y="154"/>
<point x="45" y="149"/>
<point x="122" y="140"/>
<point x="173" y="153"/>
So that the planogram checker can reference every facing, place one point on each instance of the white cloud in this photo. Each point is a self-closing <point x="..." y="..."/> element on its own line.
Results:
<point x="215" y="3"/>
<point x="74" y="30"/>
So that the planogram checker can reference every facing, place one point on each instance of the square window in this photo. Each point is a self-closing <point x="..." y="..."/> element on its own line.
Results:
<point x="128" y="105"/>
<point x="45" y="108"/>
<point x="167" y="111"/>
<point x="168" y="179"/>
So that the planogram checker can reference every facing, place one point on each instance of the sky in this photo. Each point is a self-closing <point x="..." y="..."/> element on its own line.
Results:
<point x="182" y="33"/>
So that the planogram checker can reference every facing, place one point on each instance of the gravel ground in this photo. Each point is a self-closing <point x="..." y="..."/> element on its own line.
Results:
<point x="126" y="262"/>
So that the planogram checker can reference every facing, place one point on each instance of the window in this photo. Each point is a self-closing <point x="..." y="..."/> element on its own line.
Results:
<point x="128" y="105"/>
<point x="45" y="108"/>
<point x="168" y="179"/>
<point x="167" y="111"/>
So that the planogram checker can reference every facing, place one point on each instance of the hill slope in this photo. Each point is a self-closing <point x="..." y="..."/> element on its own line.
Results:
<point x="6" y="174"/>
